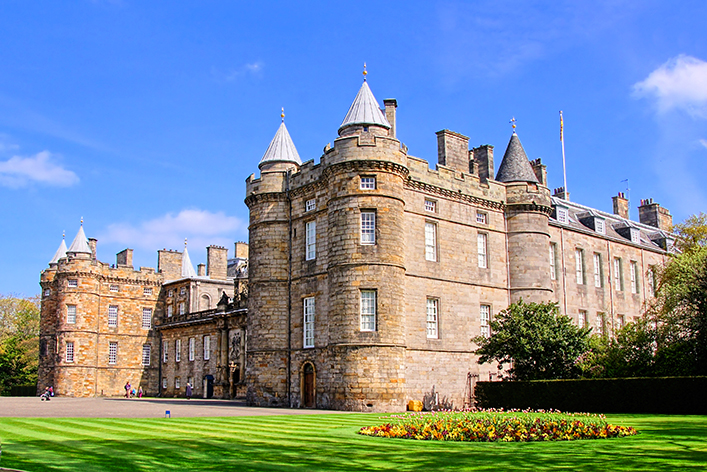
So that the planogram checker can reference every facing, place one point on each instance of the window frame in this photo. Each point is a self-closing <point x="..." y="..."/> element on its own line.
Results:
<point x="146" y="318"/>
<point x="598" y="270"/>
<point x="114" y="288"/>
<point x="430" y="205"/>
<point x="482" y="250"/>
<point x="112" y="353"/>
<point x="71" y="314"/>
<point x="368" y="310"/>
<point x="368" y="228"/>
<point x="182" y="308"/>
<point x="579" y="266"/>
<point x="432" y="311"/>
<point x="563" y="215"/>
<point x="582" y="318"/>
<point x="485" y="320"/>
<point x="618" y="274"/>
<point x="192" y="349"/>
<point x="165" y="351"/>
<point x="553" y="261"/>
<point x="308" y="313"/>
<point x="112" y="316"/>
<point x="430" y="241"/>
<point x="177" y="350"/>
<point x="310" y="205"/>
<point x="482" y="218"/>
<point x="69" y="352"/>
<point x="207" y="347"/>
<point x="72" y="283"/>
<point x="146" y="354"/>
<point x="368" y="182"/>
<point x="635" y="288"/>
<point x="310" y="240"/>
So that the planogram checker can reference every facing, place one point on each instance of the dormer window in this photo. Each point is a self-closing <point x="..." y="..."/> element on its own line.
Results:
<point x="562" y="215"/>
<point x="635" y="236"/>
<point x="599" y="226"/>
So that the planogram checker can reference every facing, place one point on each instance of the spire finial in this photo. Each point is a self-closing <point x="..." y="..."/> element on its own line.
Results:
<point x="185" y="242"/>
<point x="365" y="72"/>
<point x="282" y="114"/>
<point x="513" y="123"/>
<point x="63" y="234"/>
<point x="82" y="221"/>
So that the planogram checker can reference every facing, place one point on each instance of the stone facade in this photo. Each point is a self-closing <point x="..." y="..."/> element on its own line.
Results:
<point x="370" y="273"/>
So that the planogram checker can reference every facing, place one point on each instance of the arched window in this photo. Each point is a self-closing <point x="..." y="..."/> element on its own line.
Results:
<point x="204" y="302"/>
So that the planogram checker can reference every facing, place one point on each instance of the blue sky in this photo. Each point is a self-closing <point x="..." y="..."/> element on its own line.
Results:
<point x="145" y="118"/>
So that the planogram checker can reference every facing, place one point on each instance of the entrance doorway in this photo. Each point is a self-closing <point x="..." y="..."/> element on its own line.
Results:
<point x="308" y="392"/>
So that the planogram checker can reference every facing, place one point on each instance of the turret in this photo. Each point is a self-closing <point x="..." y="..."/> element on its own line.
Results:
<point x="528" y="207"/>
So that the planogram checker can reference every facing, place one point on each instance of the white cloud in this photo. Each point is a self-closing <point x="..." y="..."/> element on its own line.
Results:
<point x="6" y="145"/>
<point x="680" y="83"/>
<point x="201" y="227"/>
<point x="254" y="68"/>
<point x="703" y="142"/>
<point x="21" y="171"/>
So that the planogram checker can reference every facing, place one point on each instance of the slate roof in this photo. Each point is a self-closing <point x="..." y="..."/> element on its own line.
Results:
<point x="515" y="166"/>
<point x="281" y="148"/>
<point x="365" y="110"/>
<point x="80" y="243"/>
<point x="61" y="252"/>
<point x="187" y="266"/>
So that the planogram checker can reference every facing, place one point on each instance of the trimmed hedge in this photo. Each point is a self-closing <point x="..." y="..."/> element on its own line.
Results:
<point x="667" y="395"/>
<point x="23" y="391"/>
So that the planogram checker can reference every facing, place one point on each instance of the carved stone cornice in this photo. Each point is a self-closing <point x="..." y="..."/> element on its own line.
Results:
<point x="459" y="196"/>
<point x="265" y="197"/>
<point x="307" y="188"/>
<point x="366" y="165"/>
<point x="529" y="208"/>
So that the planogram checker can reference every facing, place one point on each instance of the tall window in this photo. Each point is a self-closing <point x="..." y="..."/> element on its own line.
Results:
<point x="182" y="308"/>
<point x="432" y="318"/>
<point x="147" y="318"/>
<point x="177" y="350"/>
<point x="309" y="322"/>
<point x="368" y="310"/>
<point x="368" y="227"/>
<point x="165" y="351"/>
<point x="579" y="265"/>
<point x="69" y="351"/>
<point x="207" y="348"/>
<point x="481" y="240"/>
<point x="582" y="319"/>
<point x="598" y="271"/>
<point x="620" y="321"/>
<point x="311" y="239"/>
<point x="177" y="382"/>
<point x="430" y="241"/>
<point x="112" y="352"/>
<point x="164" y="382"/>
<point x="146" y="349"/>
<point x="553" y="261"/>
<point x="170" y="310"/>
<point x="601" y="324"/>
<point x="112" y="316"/>
<point x="191" y="349"/>
<point x="183" y="291"/>
<point x="368" y="183"/>
<point x="71" y="314"/>
<point x="618" y="274"/>
<point x="634" y="277"/>
<point x="651" y="280"/>
<point x="484" y="318"/>
<point x="431" y="206"/>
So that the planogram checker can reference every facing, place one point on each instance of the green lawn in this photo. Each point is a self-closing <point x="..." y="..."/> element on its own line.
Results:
<point x="328" y="442"/>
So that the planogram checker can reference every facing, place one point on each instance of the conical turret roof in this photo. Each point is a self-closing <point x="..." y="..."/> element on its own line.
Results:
<point x="515" y="166"/>
<point x="281" y="148"/>
<point x="365" y="110"/>
<point x="61" y="252"/>
<point x="187" y="267"/>
<point x="80" y="243"/>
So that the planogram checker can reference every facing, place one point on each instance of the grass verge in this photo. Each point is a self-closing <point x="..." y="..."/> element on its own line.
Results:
<point x="328" y="443"/>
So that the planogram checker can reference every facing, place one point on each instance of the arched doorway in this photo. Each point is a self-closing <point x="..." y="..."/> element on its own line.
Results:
<point x="308" y="386"/>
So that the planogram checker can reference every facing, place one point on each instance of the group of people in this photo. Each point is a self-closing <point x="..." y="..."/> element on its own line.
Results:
<point x="131" y="392"/>
<point x="47" y="394"/>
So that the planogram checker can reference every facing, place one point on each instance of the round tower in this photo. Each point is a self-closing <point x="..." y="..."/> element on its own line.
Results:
<point x="528" y="208"/>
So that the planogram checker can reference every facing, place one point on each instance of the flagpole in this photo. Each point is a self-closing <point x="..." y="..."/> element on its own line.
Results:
<point x="564" y="166"/>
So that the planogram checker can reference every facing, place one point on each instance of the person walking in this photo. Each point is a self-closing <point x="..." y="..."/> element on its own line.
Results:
<point x="127" y="389"/>
<point x="188" y="391"/>
<point x="139" y="392"/>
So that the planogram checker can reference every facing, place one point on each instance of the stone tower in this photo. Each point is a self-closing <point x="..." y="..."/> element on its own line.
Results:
<point x="528" y="207"/>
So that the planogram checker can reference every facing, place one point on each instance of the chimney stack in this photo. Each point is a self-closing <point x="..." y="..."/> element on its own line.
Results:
<point x="620" y="205"/>
<point x="217" y="262"/>
<point x="201" y="270"/>
<point x="390" y="111"/>
<point x="560" y="193"/>
<point x="92" y="243"/>
<point x="540" y="171"/>
<point x="241" y="250"/>
<point x="651" y="213"/>
<point x="124" y="258"/>
<point x="453" y="150"/>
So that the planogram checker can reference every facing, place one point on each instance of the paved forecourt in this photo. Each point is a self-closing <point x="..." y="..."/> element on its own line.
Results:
<point x="116" y="407"/>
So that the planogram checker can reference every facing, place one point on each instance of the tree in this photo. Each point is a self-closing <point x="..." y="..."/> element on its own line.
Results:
<point x="19" y="341"/>
<point x="536" y="340"/>
<point x="692" y="233"/>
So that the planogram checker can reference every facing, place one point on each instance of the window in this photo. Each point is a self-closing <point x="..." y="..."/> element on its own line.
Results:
<point x="368" y="310"/>
<point x="601" y="324"/>
<point x="309" y="322"/>
<point x="113" y="288"/>
<point x="634" y="277"/>
<point x="71" y="314"/>
<point x="481" y="218"/>
<point x="620" y="321"/>
<point x="177" y="350"/>
<point x="579" y="265"/>
<point x="599" y="226"/>
<point x="430" y="241"/>
<point x="432" y="318"/>
<point x="191" y="349"/>
<point x="481" y="246"/>
<point x="170" y="310"/>
<point x="112" y="316"/>
<point x="170" y="293"/>
<point x="112" y="353"/>
<point x="582" y="319"/>
<point x="69" y="351"/>
<point x="182" y="308"/>
<point x="47" y="292"/>
<point x="368" y="183"/>
<point x="618" y="274"/>
<point x="553" y="261"/>
<point x="72" y="283"/>
<point x="164" y="382"/>
<point x="177" y="382"/>
<point x="368" y="227"/>
<point x="311" y="239"/>
<point x="310" y="205"/>
<point x="146" y="348"/>
<point x="635" y="236"/>
<point x="651" y="280"/>
<point x="598" y="271"/>
<point x="183" y="291"/>
<point x="431" y="206"/>
<point x="207" y="348"/>
<point x="165" y="351"/>
<point x="147" y="291"/>
<point x="562" y="215"/>
<point x="484" y="318"/>
<point x="147" y="318"/>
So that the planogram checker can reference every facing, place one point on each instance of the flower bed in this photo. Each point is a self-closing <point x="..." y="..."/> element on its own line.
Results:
<point x="495" y="425"/>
